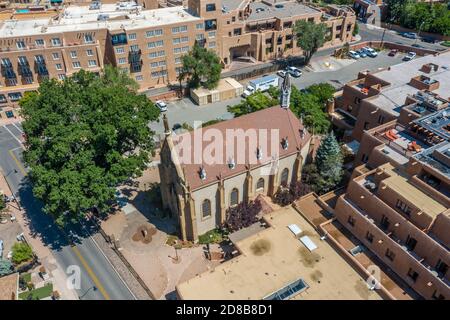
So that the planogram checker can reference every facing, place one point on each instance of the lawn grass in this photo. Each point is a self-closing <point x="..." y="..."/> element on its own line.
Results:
<point x="40" y="293"/>
<point x="26" y="277"/>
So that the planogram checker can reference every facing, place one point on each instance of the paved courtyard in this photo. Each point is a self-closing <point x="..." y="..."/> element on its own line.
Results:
<point x="141" y="232"/>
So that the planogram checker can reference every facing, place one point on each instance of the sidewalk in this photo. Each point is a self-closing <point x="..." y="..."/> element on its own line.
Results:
<point x="5" y="121"/>
<point x="44" y="254"/>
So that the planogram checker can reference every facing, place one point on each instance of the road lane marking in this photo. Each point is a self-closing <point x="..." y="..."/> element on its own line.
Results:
<point x="20" y="130"/>
<point x="19" y="165"/>
<point x="91" y="273"/>
<point x="6" y="128"/>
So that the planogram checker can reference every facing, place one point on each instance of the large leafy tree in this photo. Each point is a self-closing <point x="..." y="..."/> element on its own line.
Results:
<point x="329" y="161"/>
<point x="254" y="102"/>
<point x="323" y="91"/>
<point x="310" y="37"/>
<point x="201" y="67"/>
<point x="85" y="136"/>
<point x="243" y="215"/>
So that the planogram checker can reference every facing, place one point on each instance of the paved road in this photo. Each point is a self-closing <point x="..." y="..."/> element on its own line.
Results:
<point x="186" y="111"/>
<point x="95" y="269"/>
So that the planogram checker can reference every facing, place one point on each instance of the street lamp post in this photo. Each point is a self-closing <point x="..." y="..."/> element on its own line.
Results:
<point x="420" y="29"/>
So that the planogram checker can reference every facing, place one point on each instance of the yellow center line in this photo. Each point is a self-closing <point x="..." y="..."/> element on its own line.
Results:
<point x="75" y="249"/>
<point x="19" y="165"/>
<point x="91" y="274"/>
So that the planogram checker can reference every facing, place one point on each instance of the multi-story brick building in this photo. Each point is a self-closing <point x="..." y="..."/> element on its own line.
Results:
<point x="148" y="44"/>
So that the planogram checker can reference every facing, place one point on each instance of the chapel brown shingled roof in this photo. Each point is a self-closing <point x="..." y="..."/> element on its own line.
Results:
<point x="8" y="286"/>
<point x="271" y="118"/>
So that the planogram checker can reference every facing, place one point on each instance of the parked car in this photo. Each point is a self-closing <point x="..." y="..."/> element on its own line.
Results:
<point x="393" y="53"/>
<point x="409" y="56"/>
<point x="176" y="126"/>
<point x="293" y="71"/>
<point x="416" y="45"/>
<point x="429" y="39"/>
<point x="353" y="54"/>
<point x="161" y="105"/>
<point x="362" y="53"/>
<point x="282" y="73"/>
<point x="370" y="52"/>
<point x="1" y="248"/>
<point x="409" y="35"/>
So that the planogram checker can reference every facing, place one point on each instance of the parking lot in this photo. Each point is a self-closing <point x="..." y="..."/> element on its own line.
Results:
<point x="341" y="72"/>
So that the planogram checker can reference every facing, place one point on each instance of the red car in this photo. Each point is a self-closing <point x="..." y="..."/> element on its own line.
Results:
<point x="393" y="52"/>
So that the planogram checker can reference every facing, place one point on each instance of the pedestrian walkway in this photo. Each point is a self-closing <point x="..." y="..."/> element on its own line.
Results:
<point x="44" y="254"/>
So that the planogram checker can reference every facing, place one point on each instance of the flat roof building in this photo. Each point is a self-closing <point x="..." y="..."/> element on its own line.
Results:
<point x="275" y="264"/>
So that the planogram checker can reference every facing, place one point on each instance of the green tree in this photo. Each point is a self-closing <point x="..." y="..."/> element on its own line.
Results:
<point x="21" y="252"/>
<point x="254" y="102"/>
<point x="356" y="29"/>
<point x="329" y="161"/>
<point x="6" y="267"/>
<point x="201" y="67"/>
<point x="2" y="202"/>
<point x="310" y="37"/>
<point x="86" y="135"/>
<point x="323" y="91"/>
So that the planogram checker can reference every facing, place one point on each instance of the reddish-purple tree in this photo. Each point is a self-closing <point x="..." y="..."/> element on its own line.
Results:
<point x="242" y="215"/>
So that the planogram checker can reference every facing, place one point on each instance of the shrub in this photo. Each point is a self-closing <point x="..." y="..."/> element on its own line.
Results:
<point x="242" y="215"/>
<point x="21" y="252"/>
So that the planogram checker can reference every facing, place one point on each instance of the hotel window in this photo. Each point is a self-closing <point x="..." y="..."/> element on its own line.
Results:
<point x="61" y="76"/>
<point x="178" y="60"/>
<point x="158" y="64"/>
<point x="369" y="237"/>
<point x="437" y="296"/>
<point x="212" y="44"/>
<point x="176" y="50"/>
<point x="92" y="63"/>
<point x="2" y="98"/>
<point x="134" y="48"/>
<point x="206" y="208"/>
<point x="234" y="197"/>
<point x="441" y="268"/>
<point x="212" y="34"/>
<point x="88" y="38"/>
<point x="89" y="53"/>
<point x="55" y="56"/>
<point x="76" y="64"/>
<point x="210" y="7"/>
<point x="357" y="100"/>
<point x="384" y="222"/>
<point x="403" y="207"/>
<point x="154" y="33"/>
<point x="237" y="31"/>
<point x="366" y="125"/>
<point x="139" y="78"/>
<point x="15" y="96"/>
<point x="21" y="45"/>
<point x="136" y="67"/>
<point x="158" y="32"/>
<point x="159" y="74"/>
<point x="211" y="24"/>
<point x="179" y="29"/>
<point x="73" y="54"/>
<point x="56" y="42"/>
<point x="120" y="50"/>
<point x="199" y="36"/>
<point x="199" y="26"/>
<point x="413" y="274"/>
<point x="364" y="158"/>
<point x="122" y="60"/>
<point x="260" y="185"/>
<point x="351" y="221"/>
<point x="39" y="42"/>
<point x="380" y="119"/>
<point x="132" y="36"/>
<point x="410" y="243"/>
<point x="233" y="18"/>
<point x="390" y="254"/>
<point x="58" y="66"/>
<point x="178" y="70"/>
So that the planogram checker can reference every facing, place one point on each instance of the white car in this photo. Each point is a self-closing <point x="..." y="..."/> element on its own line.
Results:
<point x="293" y="71"/>
<point x="248" y="91"/>
<point x="353" y="54"/>
<point x="370" y="52"/>
<point x="409" y="56"/>
<point x="281" y="73"/>
<point x="161" y="105"/>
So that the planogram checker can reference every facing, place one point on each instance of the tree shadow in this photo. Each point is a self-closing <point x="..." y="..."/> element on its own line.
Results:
<point x="41" y="225"/>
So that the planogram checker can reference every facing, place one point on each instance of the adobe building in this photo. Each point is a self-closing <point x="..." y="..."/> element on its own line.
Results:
<point x="287" y="260"/>
<point x="379" y="97"/>
<point x="257" y="153"/>
<point x="402" y="215"/>
<point x="148" y="43"/>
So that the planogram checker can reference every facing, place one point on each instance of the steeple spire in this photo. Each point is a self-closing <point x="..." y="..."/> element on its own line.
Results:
<point x="285" y="96"/>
